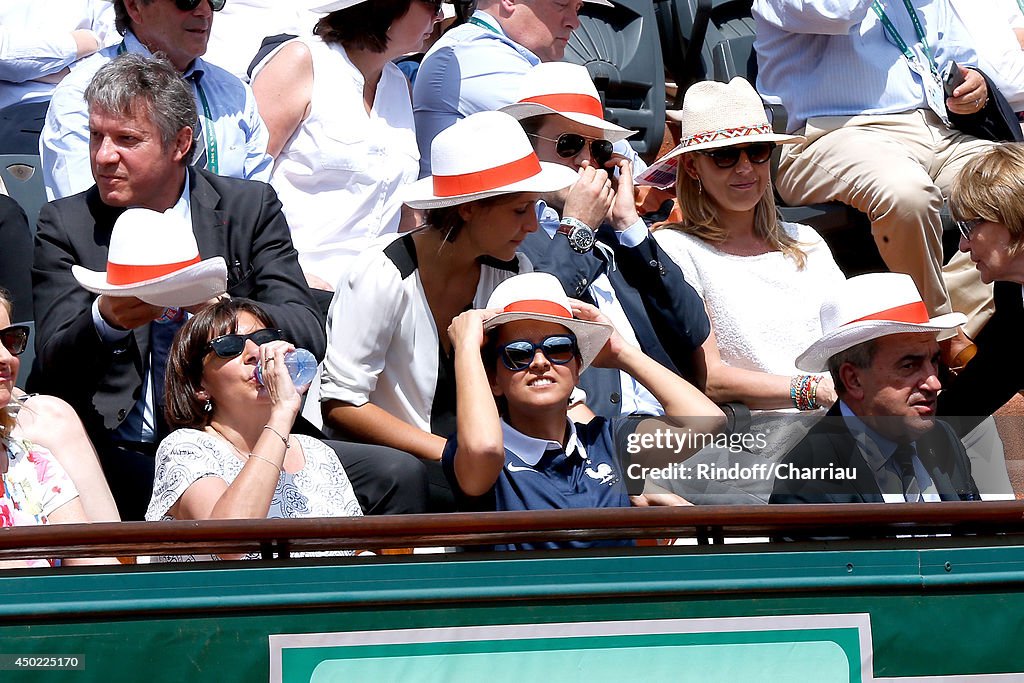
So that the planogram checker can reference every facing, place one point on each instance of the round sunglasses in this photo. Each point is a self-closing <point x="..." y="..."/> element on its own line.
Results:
<point x="14" y="339"/>
<point x="559" y="349"/>
<point x="189" y="5"/>
<point x="568" y="145"/>
<point x="231" y="345"/>
<point x="727" y="157"/>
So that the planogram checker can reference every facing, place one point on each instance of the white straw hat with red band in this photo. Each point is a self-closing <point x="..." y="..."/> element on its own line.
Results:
<point x="867" y="307"/>
<point x="484" y="155"/>
<point x="566" y="90"/>
<point x="154" y="256"/>
<point x="540" y="296"/>
<point x="714" y="115"/>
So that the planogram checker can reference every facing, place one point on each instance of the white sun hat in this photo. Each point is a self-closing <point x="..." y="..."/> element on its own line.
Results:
<point x="154" y="256"/>
<point x="867" y="307"/>
<point x="484" y="155"/>
<point x="566" y="90"/>
<point x="540" y="296"/>
<point x="327" y="8"/>
<point x="716" y="115"/>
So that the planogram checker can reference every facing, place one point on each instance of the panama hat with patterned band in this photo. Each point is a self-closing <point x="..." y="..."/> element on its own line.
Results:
<point x="566" y="90"/>
<point x="539" y="296"/>
<point x="154" y="256"/>
<point x="716" y="115"/>
<point x="867" y="307"/>
<point x="484" y="155"/>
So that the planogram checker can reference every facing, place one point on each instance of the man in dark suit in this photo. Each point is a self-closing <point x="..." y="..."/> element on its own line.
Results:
<point x="618" y="266"/>
<point x="881" y="442"/>
<point x="99" y="353"/>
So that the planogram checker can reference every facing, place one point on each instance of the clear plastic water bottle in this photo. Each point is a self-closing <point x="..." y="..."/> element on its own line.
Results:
<point x="301" y="366"/>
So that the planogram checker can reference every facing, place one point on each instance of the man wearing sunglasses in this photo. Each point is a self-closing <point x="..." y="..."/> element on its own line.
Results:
<point x="477" y="66"/>
<point x="230" y="138"/>
<point x="595" y="243"/>
<point x="102" y="354"/>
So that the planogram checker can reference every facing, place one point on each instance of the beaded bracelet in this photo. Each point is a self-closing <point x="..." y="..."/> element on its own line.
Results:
<point x="803" y="391"/>
<point x="284" y="440"/>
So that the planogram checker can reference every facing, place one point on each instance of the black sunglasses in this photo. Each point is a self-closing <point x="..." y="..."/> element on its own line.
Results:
<point x="436" y="4"/>
<point x="230" y="345"/>
<point x="568" y="145"/>
<point x="14" y="339"/>
<point x="189" y="5"/>
<point x="727" y="157"/>
<point x="559" y="349"/>
<point x="968" y="226"/>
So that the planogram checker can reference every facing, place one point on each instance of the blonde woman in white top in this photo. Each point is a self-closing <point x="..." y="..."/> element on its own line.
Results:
<point x="762" y="280"/>
<point x="340" y="119"/>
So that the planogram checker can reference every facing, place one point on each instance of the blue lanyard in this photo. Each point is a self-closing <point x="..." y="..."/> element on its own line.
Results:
<point x="890" y="28"/>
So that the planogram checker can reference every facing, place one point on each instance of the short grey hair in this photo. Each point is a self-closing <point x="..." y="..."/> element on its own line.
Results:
<point x="130" y="82"/>
<point x="859" y="356"/>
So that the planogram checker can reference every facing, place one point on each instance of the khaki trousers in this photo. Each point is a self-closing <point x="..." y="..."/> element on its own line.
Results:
<point x="896" y="168"/>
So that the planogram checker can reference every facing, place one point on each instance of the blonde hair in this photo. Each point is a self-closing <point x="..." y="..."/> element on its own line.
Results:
<point x="700" y="218"/>
<point x="991" y="186"/>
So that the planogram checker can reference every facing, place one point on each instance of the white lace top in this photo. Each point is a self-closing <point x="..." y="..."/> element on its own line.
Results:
<point x="320" y="489"/>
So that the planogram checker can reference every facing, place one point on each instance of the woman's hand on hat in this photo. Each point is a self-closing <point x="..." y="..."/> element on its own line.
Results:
<point x="611" y="352"/>
<point x="590" y="198"/>
<point x="971" y="96"/>
<point x="623" y="212"/>
<point x="284" y="395"/>
<point x="127" y="312"/>
<point x="467" y="328"/>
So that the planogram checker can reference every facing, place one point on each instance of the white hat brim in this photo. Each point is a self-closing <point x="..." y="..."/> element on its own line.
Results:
<point x="186" y="287"/>
<point x="815" y="358"/>
<point x="552" y="177"/>
<point x="612" y="132"/>
<point x="591" y="336"/>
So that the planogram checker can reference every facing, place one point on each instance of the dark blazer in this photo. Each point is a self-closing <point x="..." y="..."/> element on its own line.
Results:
<point x="996" y="373"/>
<point x="240" y="220"/>
<point x="667" y="315"/>
<point x="830" y="444"/>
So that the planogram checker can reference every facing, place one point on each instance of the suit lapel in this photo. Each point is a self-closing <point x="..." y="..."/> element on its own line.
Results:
<point x="209" y="224"/>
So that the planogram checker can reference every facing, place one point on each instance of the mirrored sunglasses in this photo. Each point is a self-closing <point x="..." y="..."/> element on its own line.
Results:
<point x="568" y="145"/>
<point x="189" y="5"/>
<point x="727" y="157"/>
<point x="14" y="339"/>
<point x="230" y="345"/>
<point x="559" y="349"/>
<point x="968" y="226"/>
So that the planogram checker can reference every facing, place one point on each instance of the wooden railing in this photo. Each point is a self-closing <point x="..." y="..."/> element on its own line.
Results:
<point x="707" y="524"/>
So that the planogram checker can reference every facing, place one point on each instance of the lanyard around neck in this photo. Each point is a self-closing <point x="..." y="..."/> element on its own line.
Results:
<point x="890" y="28"/>
<point x="212" y="160"/>
<point x="476" y="21"/>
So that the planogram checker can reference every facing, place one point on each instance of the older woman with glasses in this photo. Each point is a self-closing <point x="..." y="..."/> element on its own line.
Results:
<point x="987" y="199"/>
<point x="341" y="127"/>
<point x="233" y="454"/>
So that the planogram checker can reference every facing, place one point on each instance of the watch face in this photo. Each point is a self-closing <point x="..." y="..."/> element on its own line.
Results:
<point x="581" y="239"/>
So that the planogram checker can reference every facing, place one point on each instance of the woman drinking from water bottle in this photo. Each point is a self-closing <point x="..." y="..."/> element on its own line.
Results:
<point x="233" y="455"/>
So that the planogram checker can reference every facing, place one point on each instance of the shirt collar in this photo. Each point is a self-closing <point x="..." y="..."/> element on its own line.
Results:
<point x="134" y="45"/>
<point x="490" y="20"/>
<point x="530" y="450"/>
<point x="877" y="449"/>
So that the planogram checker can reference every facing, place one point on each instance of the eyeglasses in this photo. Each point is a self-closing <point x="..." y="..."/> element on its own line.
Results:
<point x="727" y="157"/>
<point x="559" y="349"/>
<point x="189" y="5"/>
<point x="14" y="339"/>
<point x="968" y="226"/>
<point x="230" y="345"/>
<point x="568" y="145"/>
<point x="436" y="4"/>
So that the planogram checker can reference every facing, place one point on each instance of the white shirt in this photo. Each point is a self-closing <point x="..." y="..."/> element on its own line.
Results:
<point x="991" y="23"/>
<point x="64" y="142"/>
<point x="382" y="345"/>
<point x="239" y="29"/>
<point x="35" y="40"/>
<point x="338" y="177"/>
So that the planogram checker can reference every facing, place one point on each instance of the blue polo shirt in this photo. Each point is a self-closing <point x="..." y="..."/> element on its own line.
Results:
<point x="541" y="475"/>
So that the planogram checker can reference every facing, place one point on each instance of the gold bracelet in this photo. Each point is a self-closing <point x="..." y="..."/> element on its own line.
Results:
<point x="284" y="440"/>
<point x="280" y="468"/>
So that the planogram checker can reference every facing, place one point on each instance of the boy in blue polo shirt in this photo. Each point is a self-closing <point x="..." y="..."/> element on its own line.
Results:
<point x="527" y="349"/>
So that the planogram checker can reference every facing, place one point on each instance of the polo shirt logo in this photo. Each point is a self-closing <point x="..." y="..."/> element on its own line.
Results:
<point x="604" y="474"/>
<point x="519" y="468"/>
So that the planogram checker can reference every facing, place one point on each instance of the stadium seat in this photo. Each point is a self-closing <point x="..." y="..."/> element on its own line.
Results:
<point x="24" y="181"/>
